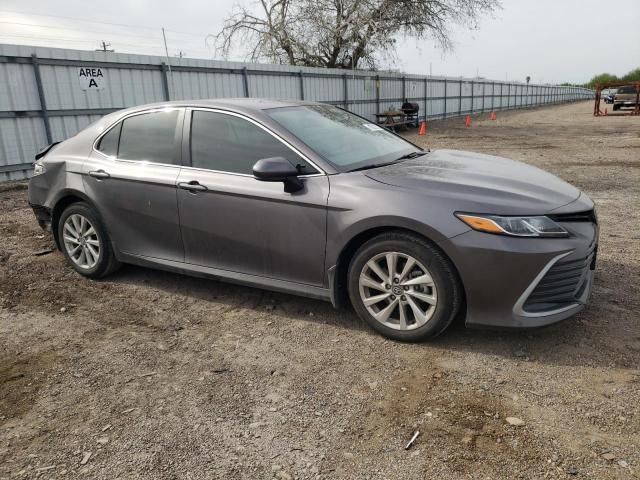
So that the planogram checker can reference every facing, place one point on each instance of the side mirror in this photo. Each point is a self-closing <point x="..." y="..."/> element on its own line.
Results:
<point x="277" y="169"/>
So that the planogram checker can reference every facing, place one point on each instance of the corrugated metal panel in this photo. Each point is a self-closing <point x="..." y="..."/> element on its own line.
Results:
<point x="20" y="139"/>
<point x="138" y="79"/>
<point x="68" y="126"/>
<point x="18" y="89"/>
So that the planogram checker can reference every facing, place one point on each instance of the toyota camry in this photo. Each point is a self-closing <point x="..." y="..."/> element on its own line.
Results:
<point x="309" y="199"/>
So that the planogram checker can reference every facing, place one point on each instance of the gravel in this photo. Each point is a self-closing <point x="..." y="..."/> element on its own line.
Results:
<point x="149" y="374"/>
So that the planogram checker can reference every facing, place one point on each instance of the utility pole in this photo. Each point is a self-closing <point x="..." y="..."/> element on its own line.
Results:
<point x="104" y="48"/>
<point x="166" y="51"/>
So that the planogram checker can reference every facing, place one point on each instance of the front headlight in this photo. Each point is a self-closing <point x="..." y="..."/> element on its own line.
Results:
<point x="38" y="169"/>
<point x="539" y="226"/>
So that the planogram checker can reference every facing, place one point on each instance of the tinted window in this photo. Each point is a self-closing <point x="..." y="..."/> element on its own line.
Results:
<point x="231" y="144"/>
<point x="627" y="90"/>
<point x="149" y="137"/>
<point x="109" y="143"/>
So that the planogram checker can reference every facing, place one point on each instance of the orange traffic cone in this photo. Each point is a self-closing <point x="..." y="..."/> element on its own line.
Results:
<point x="423" y="128"/>
<point x="467" y="122"/>
<point x="493" y="116"/>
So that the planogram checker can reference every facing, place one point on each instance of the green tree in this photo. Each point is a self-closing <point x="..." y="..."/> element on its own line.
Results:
<point x="603" y="78"/>
<point x="632" y="76"/>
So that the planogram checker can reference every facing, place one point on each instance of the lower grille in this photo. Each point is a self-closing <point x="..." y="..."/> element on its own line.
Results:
<point x="562" y="285"/>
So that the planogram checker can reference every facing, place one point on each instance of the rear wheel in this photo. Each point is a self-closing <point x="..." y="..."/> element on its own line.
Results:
<point x="404" y="287"/>
<point x="85" y="242"/>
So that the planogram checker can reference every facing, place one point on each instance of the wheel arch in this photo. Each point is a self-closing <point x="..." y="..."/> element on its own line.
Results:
<point x="65" y="198"/>
<point x="338" y="273"/>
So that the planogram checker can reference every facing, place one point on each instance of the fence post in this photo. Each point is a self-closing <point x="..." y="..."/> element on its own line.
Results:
<point x="493" y="95"/>
<point x="484" y="91"/>
<point x="377" y="93"/>
<point x="165" y="81"/>
<point x="404" y="88"/>
<point x="472" y="105"/>
<point x="301" y="75"/>
<point x="501" y="94"/>
<point x="426" y="85"/>
<point x="245" y="81"/>
<point x="43" y="102"/>
<point x="460" y="97"/>
<point x="444" y="111"/>
<point x="345" y="86"/>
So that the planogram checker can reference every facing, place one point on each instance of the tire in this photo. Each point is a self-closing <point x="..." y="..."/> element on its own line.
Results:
<point x="437" y="302"/>
<point x="85" y="243"/>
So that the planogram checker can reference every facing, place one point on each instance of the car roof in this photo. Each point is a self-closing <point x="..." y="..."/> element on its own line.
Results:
<point x="245" y="105"/>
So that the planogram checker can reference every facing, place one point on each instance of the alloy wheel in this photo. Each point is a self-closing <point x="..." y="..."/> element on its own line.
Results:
<point x="81" y="241"/>
<point x="397" y="290"/>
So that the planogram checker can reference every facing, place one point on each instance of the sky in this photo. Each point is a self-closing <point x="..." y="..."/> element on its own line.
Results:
<point x="551" y="41"/>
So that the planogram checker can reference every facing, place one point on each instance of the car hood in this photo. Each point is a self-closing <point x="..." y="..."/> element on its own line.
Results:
<point x="479" y="183"/>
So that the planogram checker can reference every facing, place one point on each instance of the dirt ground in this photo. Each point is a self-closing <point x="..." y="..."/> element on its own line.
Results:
<point x="153" y="375"/>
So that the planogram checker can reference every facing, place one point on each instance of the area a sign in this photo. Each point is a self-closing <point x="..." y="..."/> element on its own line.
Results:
<point x="91" y="78"/>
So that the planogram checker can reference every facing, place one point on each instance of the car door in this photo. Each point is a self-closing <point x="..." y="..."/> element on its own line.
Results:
<point x="131" y="176"/>
<point x="232" y="221"/>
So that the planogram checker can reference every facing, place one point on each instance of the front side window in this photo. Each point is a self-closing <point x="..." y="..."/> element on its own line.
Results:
<point x="149" y="137"/>
<point x="342" y="138"/>
<point x="227" y="143"/>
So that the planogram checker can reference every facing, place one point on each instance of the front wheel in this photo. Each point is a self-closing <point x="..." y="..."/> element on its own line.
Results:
<point x="84" y="241"/>
<point x="404" y="287"/>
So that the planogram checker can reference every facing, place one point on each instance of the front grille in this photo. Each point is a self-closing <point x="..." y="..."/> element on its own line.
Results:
<point x="589" y="216"/>
<point x="562" y="285"/>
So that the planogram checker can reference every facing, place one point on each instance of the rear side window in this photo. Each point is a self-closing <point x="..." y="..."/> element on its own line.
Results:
<point x="227" y="143"/>
<point x="109" y="142"/>
<point x="150" y="137"/>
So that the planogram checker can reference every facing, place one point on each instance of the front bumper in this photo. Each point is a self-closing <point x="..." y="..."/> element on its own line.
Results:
<point x="514" y="282"/>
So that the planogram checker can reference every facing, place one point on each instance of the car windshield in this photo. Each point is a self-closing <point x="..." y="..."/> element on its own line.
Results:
<point x="627" y="90"/>
<point x="345" y="140"/>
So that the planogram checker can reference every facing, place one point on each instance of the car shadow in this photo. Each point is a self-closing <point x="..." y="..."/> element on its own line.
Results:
<point x="599" y="334"/>
<point x="234" y="296"/>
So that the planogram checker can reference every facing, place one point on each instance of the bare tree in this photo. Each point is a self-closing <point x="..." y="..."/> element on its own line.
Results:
<point x="341" y="33"/>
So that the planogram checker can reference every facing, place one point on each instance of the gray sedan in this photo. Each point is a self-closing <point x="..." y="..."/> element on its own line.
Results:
<point x="310" y="199"/>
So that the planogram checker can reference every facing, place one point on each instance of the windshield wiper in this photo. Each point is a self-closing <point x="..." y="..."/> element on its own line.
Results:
<point x="373" y="165"/>
<point x="411" y="155"/>
<point x="399" y="159"/>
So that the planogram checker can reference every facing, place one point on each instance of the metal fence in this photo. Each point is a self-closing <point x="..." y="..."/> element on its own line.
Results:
<point x="48" y="95"/>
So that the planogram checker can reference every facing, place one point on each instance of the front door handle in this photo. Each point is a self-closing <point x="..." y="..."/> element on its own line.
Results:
<point x="100" y="174"/>
<point x="192" y="186"/>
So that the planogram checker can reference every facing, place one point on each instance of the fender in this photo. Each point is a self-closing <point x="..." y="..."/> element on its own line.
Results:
<point x="60" y="201"/>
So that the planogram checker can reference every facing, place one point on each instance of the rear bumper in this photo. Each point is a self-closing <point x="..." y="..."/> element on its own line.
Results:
<point x="43" y="215"/>
<point x="525" y="283"/>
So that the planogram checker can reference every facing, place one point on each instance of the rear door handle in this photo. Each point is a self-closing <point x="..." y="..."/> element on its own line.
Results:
<point x="192" y="186"/>
<point x="101" y="174"/>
